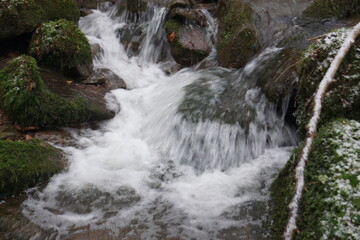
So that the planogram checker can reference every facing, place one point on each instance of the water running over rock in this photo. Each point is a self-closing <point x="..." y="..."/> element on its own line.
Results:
<point x="160" y="169"/>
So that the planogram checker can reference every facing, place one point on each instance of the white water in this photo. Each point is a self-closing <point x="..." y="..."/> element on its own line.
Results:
<point x="175" y="178"/>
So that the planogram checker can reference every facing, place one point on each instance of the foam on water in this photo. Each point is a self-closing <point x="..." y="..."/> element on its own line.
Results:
<point x="150" y="164"/>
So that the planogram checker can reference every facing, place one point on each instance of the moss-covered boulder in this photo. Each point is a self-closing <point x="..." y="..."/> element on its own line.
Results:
<point x="60" y="45"/>
<point x="333" y="9"/>
<point x="189" y="42"/>
<point x="25" y="164"/>
<point x="21" y="16"/>
<point x="26" y="100"/>
<point x="330" y="207"/>
<point x="237" y="41"/>
<point x="343" y="96"/>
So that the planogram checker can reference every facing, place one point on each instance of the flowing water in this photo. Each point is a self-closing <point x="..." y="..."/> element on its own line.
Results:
<point x="151" y="173"/>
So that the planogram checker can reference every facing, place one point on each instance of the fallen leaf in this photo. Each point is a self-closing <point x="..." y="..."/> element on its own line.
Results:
<point x="171" y="37"/>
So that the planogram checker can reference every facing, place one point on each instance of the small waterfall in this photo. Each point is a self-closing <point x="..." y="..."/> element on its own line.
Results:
<point x="152" y="173"/>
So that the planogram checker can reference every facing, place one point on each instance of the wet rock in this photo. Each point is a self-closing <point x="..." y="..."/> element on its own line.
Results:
<point x="106" y="78"/>
<point x="177" y="4"/>
<point x="67" y="88"/>
<point x="193" y="15"/>
<point x="25" y="17"/>
<point x="237" y="40"/>
<point x="83" y="71"/>
<point x="105" y="6"/>
<point x="96" y="50"/>
<point x="131" y="36"/>
<point x="189" y="43"/>
<point x="332" y="9"/>
<point x="133" y="6"/>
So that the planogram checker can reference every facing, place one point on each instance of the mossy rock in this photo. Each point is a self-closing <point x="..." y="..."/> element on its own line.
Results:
<point x="282" y="192"/>
<point x="21" y="16"/>
<point x="330" y="206"/>
<point x="343" y="96"/>
<point x="26" y="164"/>
<point x="333" y="9"/>
<point x="237" y="40"/>
<point x="26" y="100"/>
<point x="60" y="45"/>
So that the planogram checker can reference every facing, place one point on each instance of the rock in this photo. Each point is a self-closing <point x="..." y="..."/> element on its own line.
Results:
<point x="332" y="9"/>
<point x="343" y="96"/>
<point x="105" y="6"/>
<point x="62" y="46"/>
<point x="28" y="102"/>
<point x="24" y="165"/>
<point x="84" y="70"/>
<point x="331" y="185"/>
<point x="189" y="43"/>
<point x="237" y="41"/>
<point x="194" y="15"/>
<point x="177" y="4"/>
<point x="96" y="50"/>
<point x="25" y="17"/>
<point x="107" y="78"/>
<point x="131" y="37"/>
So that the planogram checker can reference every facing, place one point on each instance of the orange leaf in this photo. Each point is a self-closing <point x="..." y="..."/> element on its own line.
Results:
<point x="171" y="37"/>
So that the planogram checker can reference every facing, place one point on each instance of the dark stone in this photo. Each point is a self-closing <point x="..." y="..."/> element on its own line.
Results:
<point x="189" y="43"/>
<point x="107" y="78"/>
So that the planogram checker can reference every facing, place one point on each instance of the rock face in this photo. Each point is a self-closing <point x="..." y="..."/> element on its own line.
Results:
<point x="28" y="102"/>
<point x="237" y="41"/>
<point x="18" y="17"/>
<point x="332" y="9"/>
<point x="25" y="164"/>
<point x="106" y="78"/>
<point x="61" y="45"/>
<point x="343" y="96"/>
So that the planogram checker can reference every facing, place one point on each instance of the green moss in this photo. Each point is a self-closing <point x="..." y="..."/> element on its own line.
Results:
<point x="282" y="192"/>
<point x="331" y="8"/>
<point x="23" y="165"/>
<point x="25" y="99"/>
<point x="332" y="184"/>
<point x="343" y="96"/>
<point x="237" y="36"/>
<point x="60" y="44"/>
<point x="25" y="15"/>
<point x="329" y="206"/>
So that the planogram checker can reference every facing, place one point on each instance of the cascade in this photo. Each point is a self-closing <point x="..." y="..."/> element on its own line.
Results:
<point x="151" y="171"/>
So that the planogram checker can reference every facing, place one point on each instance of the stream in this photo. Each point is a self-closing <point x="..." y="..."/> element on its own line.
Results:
<point x="150" y="173"/>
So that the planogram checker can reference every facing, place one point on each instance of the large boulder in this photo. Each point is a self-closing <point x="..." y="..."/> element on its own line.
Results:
<point x="27" y="101"/>
<point x="189" y="43"/>
<point x="330" y="205"/>
<point x="18" y="17"/>
<point x="237" y="40"/>
<point x="343" y="96"/>
<point x="332" y="9"/>
<point x="25" y="164"/>
<point x="61" y="45"/>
